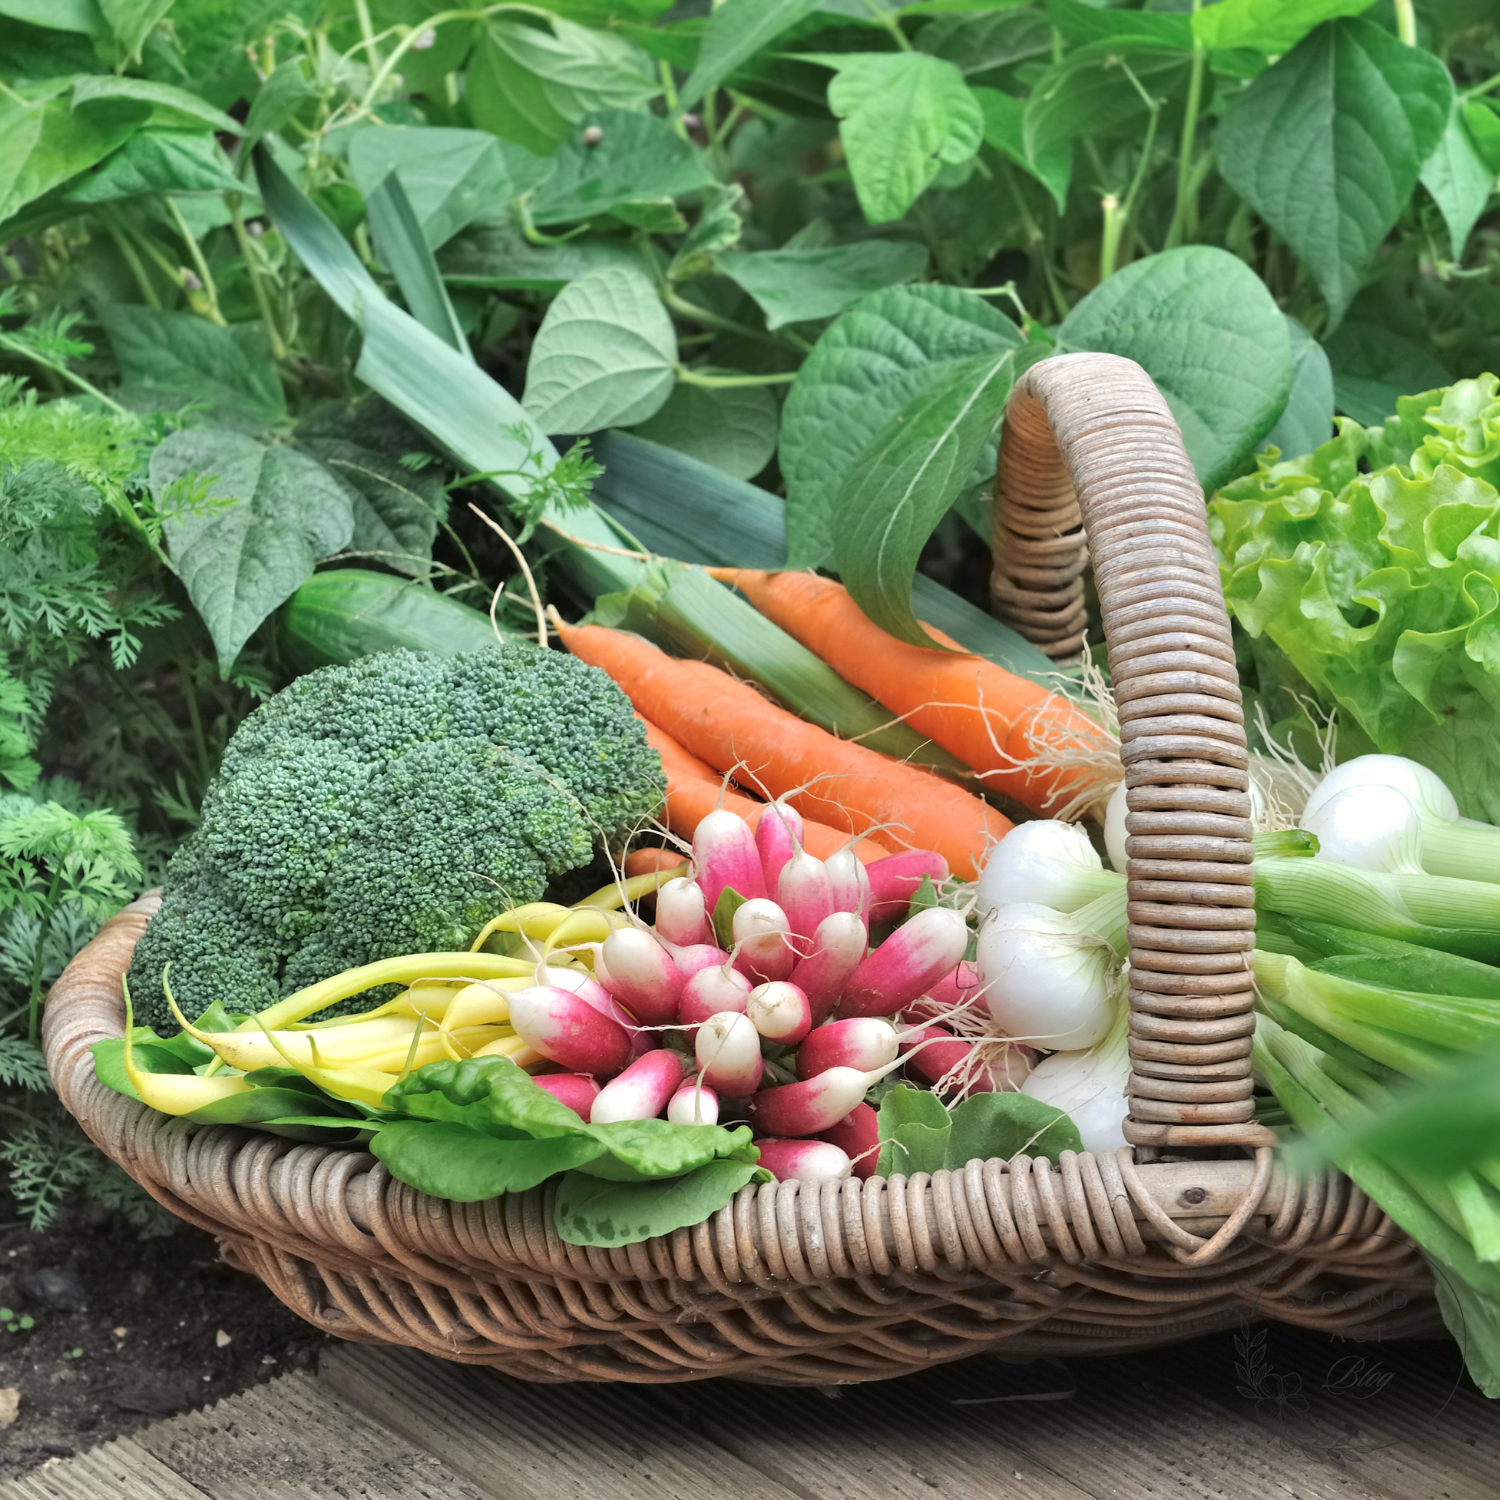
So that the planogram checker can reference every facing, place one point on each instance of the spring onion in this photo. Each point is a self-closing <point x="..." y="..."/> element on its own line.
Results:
<point x="1090" y="1085"/>
<point x="1047" y="862"/>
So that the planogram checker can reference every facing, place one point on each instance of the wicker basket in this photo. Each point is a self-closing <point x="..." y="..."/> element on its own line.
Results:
<point x="1193" y="1230"/>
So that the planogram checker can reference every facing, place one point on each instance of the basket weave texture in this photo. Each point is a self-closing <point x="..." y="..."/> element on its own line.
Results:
<point x="861" y="1280"/>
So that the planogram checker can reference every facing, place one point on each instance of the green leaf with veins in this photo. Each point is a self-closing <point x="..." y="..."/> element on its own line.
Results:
<point x="801" y="286"/>
<point x="637" y="159"/>
<point x="909" y="478"/>
<point x="1327" y="146"/>
<point x="1102" y="90"/>
<point x="452" y="177"/>
<point x="533" y="84"/>
<point x="132" y="21"/>
<point x="874" y="359"/>
<point x="1306" y="421"/>
<point x="159" y="160"/>
<point x="987" y="41"/>
<point x="1459" y="179"/>
<point x="732" y="428"/>
<point x="902" y="117"/>
<point x="719" y="227"/>
<point x="267" y="515"/>
<point x="1274" y="26"/>
<point x="168" y="359"/>
<point x="44" y="141"/>
<point x="1203" y="326"/>
<point x="464" y="1165"/>
<point x="169" y="104"/>
<point x="1081" y="22"/>
<point x="214" y="37"/>
<point x="279" y="98"/>
<point x="1005" y="130"/>
<point x="988" y="1125"/>
<point x="736" y="31"/>
<point x="501" y="257"/>
<point x="1373" y="367"/>
<point x="81" y="16"/>
<point x="604" y="356"/>
<point x="914" y="1130"/>
<point x="591" y="1211"/>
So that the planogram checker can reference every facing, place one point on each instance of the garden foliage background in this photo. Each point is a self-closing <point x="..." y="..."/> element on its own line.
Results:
<point x="804" y="243"/>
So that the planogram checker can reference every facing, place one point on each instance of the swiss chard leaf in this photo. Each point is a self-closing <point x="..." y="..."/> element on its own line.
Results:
<point x="914" y="1130"/>
<point x="987" y="1125"/>
<point x="1327" y="145"/>
<point x="243" y="542"/>
<point x="1205" y="329"/>
<point x="591" y="1211"/>
<point x="450" y="1160"/>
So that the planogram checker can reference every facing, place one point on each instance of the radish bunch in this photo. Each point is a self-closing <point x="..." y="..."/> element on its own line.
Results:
<point x="791" y="1025"/>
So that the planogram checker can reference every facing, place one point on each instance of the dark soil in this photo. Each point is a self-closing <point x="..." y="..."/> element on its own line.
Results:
<point x="126" y="1331"/>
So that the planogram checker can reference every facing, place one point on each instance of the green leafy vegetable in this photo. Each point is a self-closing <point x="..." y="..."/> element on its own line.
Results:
<point x="591" y="1211"/>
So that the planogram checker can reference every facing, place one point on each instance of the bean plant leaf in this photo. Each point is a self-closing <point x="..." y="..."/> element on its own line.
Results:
<point x="244" y="524"/>
<point x="502" y="258"/>
<point x="44" y="141"/>
<point x="1459" y="179"/>
<point x="902" y="117"/>
<point x="734" y="429"/>
<point x="1274" y="26"/>
<point x="604" y="356"/>
<point x="170" y="105"/>
<point x="637" y="159"/>
<point x="1482" y="116"/>
<point x="279" y="98"/>
<point x="168" y="359"/>
<point x="452" y="177"/>
<point x="801" y="286"/>
<point x="1103" y="90"/>
<point x="531" y="84"/>
<point x="214" y="35"/>
<point x="718" y="229"/>
<point x="1306" y="422"/>
<point x="1005" y="130"/>
<point x="132" y="21"/>
<point x="907" y="480"/>
<point x="81" y="16"/>
<point x="453" y="1161"/>
<point x="736" y="31"/>
<point x="1373" y="367"/>
<point x="864" y="369"/>
<point x="1203" y="326"/>
<point x="1004" y="1125"/>
<point x="1081" y="22"/>
<point x="984" y="42"/>
<point x="1327" y="145"/>
<point x="591" y="1211"/>
<point x="158" y="160"/>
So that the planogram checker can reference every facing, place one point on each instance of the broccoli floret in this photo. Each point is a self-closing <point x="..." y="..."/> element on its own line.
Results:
<point x="391" y="806"/>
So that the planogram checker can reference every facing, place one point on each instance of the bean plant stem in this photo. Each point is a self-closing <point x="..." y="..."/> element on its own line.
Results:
<point x="195" y="253"/>
<point x="1406" y="22"/>
<point x="257" y="283"/>
<point x="888" y="20"/>
<point x="128" y="255"/>
<point x="1184" y="223"/>
<point x="728" y="382"/>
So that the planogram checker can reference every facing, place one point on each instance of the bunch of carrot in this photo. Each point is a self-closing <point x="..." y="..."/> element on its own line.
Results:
<point x="706" y="724"/>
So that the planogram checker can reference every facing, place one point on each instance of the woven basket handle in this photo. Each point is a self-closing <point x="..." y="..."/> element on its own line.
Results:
<point x="1089" y="442"/>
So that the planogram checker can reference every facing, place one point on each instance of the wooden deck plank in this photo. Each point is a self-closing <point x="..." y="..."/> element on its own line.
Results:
<point x="514" y="1440"/>
<point x="294" y="1439"/>
<point x="121" y="1470"/>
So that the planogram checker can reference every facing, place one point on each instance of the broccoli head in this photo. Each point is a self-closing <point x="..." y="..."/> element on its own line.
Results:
<point x="391" y="806"/>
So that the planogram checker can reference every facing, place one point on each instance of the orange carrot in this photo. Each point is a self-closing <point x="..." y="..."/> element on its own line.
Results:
<point x="827" y="779"/>
<point x="693" y="793"/>
<point x="988" y="717"/>
<point x="649" y="861"/>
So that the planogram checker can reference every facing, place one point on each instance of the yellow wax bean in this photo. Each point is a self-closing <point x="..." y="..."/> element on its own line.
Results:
<point x="430" y="1048"/>
<point x="513" y="1048"/>
<point x="477" y="1005"/>
<point x="409" y="969"/>
<point x="587" y="926"/>
<point x="535" y="920"/>
<point x="268" y="1049"/>
<point x="174" y="1093"/>
<point x="618" y="892"/>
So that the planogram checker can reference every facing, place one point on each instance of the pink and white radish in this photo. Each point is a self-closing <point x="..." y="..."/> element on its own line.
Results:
<point x="641" y="1092"/>
<point x="694" y="1103"/>
<point x="897" y="878"/>
<point x="864" y="1042"/>
<point x="577" y="1090"/>
<point x="778" y="836"/>
<point x="724" y="855"/>
<point x="576" y="982"/>
<point x="858" y="1136"/>
<point x="642" y="975"/>
<point x="912" y="959"/>
<point x="804" y="894"/>
<point x="696" y="957"/>
<point x="779" y="1012"/>
<point x="804" y="1161"/>
<point x="727" y="1047"/>
<point x="1001" y="1069"/>
<point x="848" y="883"/>
<point x="682" y="914"/>
<point x="712" y="991"/>
<point x="839" y="944"/>
<point x="959" y="990"/>
<point x="760" y="936"/>
<point x="567" y="1030"/>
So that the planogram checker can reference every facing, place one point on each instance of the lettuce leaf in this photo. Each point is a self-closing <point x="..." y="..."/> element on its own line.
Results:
<point x="1382" y="588"/>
